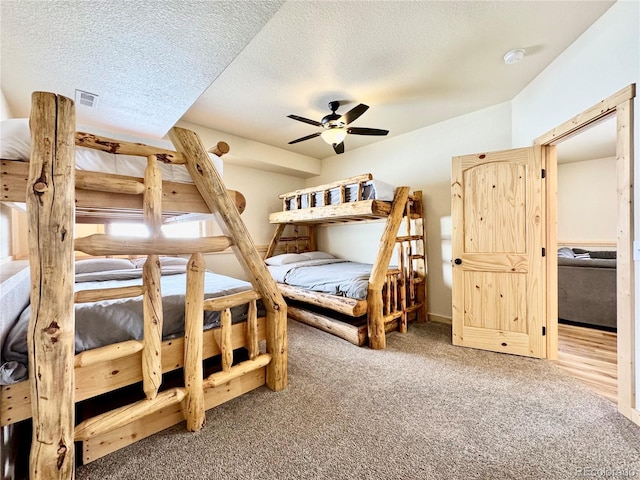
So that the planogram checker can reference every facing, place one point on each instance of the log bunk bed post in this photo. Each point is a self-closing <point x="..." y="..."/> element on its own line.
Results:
<point x="49" y="399"/>
<point x="393" y="294"/>
<point x="50" y="206"/>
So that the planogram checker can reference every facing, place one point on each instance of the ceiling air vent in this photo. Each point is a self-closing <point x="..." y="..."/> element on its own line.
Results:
<point x="86" y="99"/>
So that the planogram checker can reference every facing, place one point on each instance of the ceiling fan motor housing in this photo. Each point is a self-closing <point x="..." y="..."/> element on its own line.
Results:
<point x="332" y="121"/>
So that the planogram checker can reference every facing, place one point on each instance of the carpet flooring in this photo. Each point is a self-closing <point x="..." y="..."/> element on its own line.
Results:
<point x="421" y="409"/>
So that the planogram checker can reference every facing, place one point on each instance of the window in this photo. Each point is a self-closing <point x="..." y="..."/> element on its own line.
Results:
<point x="171" y="230"/>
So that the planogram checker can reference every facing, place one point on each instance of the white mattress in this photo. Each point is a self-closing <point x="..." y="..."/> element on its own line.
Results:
<point x="371" y="190"/>
<point x="15" y="144"/>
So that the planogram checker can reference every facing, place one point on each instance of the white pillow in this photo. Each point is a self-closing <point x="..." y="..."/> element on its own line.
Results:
<point x="317" y="255"/>
<point x="285" y="258"/>
<point x="566" y="252"/>
<point x="103" y="264"/>
<point x="15" y="139"/>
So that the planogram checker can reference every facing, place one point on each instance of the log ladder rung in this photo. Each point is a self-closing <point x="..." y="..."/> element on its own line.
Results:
<point x="220" y="378"/>
<point x="408" y="238"/>
<point x="229" y="301"/>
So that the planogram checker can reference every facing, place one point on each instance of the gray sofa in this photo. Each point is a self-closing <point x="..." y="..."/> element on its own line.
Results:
<point x="587" y="287"/>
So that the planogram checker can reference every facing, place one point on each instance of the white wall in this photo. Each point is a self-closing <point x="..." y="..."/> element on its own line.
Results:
<point x="605" y="59"/>
<point x="422" y="160"/>
<point x="5" y="212"/>
<point x="5" y="110"/>
<point x="587" y="201"/>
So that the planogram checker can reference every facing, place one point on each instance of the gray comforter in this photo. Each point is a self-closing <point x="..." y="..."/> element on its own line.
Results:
<point x="334" y="276"/>
<point x="111" y="321"/>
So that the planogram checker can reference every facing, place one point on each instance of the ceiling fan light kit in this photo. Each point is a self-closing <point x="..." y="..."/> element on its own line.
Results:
<point x="334" y="135"/>
<point x="335" y="127"/>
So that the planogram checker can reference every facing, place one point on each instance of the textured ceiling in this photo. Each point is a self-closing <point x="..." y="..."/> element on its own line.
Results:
<point x="147" y="60"/>
<point x="242" y="66"/>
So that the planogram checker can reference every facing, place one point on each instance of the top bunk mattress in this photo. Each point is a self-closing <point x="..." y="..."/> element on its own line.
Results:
<point x="15" y="144"/>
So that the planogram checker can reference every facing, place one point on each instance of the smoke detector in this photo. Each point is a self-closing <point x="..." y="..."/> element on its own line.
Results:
<point x="86" y="99"/>
<point x="514" y="56"/>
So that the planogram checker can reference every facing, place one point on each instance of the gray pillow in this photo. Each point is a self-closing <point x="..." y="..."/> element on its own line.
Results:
<point x="609" y="255"/>
<point x="103" y="264"/>
<point x="164" y="261"/>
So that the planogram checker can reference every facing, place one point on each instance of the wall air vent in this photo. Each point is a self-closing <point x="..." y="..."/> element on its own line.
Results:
<point x="86" y="99"/>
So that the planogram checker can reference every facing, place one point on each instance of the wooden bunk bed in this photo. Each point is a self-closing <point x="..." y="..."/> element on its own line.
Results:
<point x="56" y="195"/>
<point x="394" y="294"/>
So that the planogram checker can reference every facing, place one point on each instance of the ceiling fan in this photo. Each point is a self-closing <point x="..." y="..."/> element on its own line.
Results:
<point x="335" y="127"/>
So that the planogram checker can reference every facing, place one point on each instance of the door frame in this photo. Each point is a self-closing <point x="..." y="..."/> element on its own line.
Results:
<point x="619" y="104"/>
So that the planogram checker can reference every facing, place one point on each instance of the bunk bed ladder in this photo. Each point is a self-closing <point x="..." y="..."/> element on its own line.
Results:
<point x="412" y="261"/>
<point x="209" y="183"/>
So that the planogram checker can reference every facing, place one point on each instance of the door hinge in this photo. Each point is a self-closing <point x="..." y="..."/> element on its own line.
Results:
<point x="544" y="331"/>
<point x="544" y="252"/>
<point x="544" y="173"/>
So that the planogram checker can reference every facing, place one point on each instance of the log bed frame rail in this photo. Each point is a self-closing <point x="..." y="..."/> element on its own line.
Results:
<point x="57" y="377"/>
<point x="394" y="294"/>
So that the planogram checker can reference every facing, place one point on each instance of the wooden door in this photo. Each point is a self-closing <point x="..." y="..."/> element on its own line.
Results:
<point x="498" y="267"/>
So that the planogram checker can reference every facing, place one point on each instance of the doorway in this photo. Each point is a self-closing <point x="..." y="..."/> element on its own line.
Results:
<point x="587" y="205"/>
<point x="620" y="106"/>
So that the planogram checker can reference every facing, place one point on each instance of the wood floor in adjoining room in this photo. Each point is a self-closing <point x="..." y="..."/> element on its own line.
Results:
<point x="590" y="355"/>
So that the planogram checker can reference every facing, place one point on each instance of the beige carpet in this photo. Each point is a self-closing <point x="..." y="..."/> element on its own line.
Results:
<point x="422" y="409"/>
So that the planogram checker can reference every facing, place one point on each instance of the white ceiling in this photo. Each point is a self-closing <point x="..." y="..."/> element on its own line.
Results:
<point x="242" y="66"/>
<point x="598" y="141"/>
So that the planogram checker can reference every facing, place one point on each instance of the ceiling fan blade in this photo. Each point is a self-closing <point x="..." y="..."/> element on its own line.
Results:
<point x="366" y="131"/>
<point x="354" y="113"/>
<point x="338" y="148"/>
<point x="308" y="137"/>
<point x="305" y="120"/>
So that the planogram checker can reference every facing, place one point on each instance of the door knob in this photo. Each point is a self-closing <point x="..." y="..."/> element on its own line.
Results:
<point x="457" y="261"/>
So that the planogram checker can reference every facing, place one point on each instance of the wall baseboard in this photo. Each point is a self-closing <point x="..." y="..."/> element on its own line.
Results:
<point x="635" y="416"/>
<point x="439" y="318"/>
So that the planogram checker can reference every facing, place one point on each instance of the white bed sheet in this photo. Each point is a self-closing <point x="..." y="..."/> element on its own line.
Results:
<point x="15" y="144"/>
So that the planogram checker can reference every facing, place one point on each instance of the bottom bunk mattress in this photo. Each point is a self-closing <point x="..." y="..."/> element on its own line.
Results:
<point x="111" y="321"/>
<point x="321" y="272"/>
